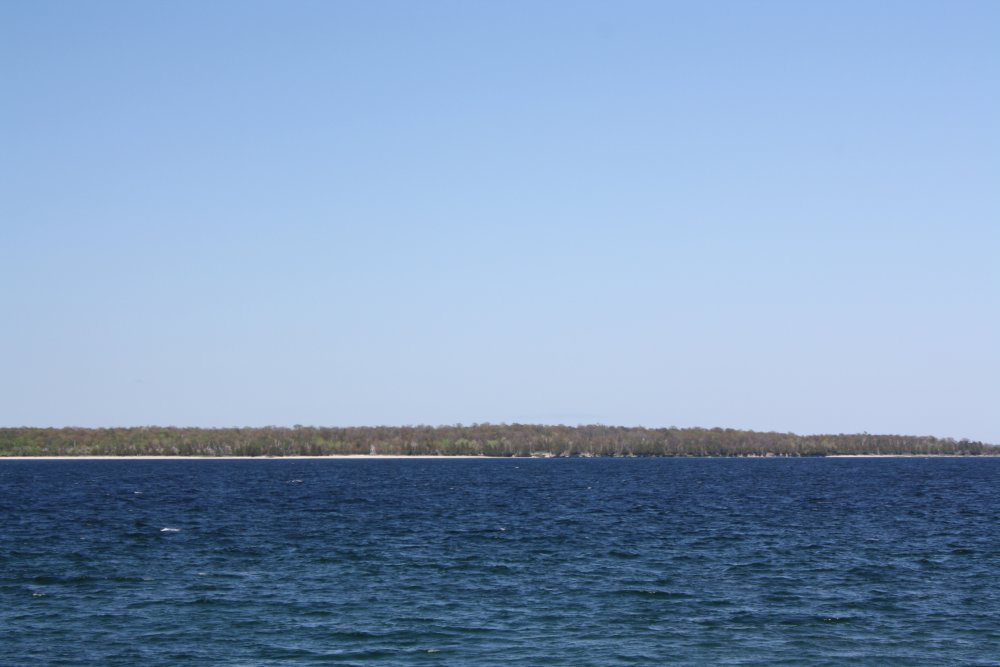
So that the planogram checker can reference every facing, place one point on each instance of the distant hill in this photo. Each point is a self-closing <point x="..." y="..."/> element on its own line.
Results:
<point x="474" y="440"/>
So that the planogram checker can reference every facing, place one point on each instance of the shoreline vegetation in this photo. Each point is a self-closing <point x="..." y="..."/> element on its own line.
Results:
<point x="473" y="441"/>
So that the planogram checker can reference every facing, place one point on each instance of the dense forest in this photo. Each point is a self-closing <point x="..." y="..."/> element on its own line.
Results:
<point x="474" y="440"/>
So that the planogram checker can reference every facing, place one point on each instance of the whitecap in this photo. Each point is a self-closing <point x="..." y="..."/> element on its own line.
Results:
<point x="170" y="530"/>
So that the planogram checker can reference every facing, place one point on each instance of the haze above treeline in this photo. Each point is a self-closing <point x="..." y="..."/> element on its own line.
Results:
<point x="502" y="440"/>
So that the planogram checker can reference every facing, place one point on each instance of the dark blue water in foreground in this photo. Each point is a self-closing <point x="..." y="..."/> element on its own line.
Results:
<point x="500" y="562"/>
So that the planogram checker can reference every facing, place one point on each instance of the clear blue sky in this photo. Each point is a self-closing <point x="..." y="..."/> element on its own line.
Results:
<point x="768" y="215"/>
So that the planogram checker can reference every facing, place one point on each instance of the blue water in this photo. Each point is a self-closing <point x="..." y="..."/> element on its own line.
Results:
<point x="500" y="562"/>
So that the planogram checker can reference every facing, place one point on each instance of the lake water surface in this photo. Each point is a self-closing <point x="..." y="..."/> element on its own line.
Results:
<point x="500" y="562"/>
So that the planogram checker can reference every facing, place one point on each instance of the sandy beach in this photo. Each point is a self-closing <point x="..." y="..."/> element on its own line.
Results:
<point x="242" y="458"/>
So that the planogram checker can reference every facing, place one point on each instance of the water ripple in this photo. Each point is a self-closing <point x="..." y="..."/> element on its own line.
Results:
<point x="556" y="562"/>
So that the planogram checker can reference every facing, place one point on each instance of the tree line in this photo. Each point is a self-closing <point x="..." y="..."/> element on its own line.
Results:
<point x="506" y="440"/>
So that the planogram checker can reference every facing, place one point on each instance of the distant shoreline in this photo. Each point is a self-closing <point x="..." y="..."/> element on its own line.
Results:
<point x="475" y="441"/>
<point x="445" y="457"/>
